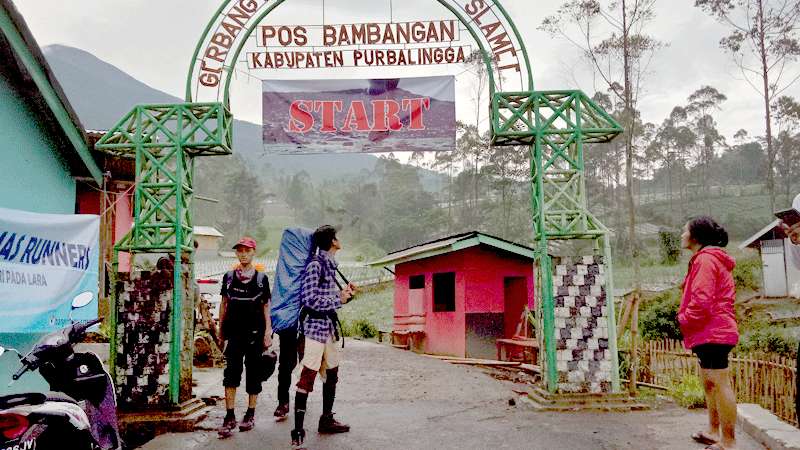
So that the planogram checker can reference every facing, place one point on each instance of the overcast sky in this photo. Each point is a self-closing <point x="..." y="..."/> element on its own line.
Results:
<point x="153" y="41"/>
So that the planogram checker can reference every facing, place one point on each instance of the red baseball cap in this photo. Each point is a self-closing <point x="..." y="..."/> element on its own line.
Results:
<point x="246" y="242"/>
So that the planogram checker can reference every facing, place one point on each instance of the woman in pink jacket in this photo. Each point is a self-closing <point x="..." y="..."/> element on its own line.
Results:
<point x="708" y="323"/>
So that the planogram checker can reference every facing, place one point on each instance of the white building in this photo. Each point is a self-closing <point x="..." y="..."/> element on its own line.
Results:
<point x="780" y="259"/>
<point x="208" y="240"/>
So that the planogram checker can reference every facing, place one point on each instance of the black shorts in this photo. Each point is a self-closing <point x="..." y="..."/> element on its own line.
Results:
<point x="713" y="356"/>
<point x="241" y="354"/>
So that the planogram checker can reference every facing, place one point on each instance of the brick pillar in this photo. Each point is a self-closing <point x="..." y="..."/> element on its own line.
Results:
<point x="584" y="362"/>
<point x="143" y="339"/>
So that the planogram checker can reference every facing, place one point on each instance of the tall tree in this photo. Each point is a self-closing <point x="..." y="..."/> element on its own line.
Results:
<point x="296" y="192"/>
<point x="702" y="103"/>
<point x="787" y="116"/>
<point x="244" y="202"/>
<point x="473" y="150"/>
<point x="507" y="169"/>
<point x="408" y="213"/>
<point x="744" y="162"/>
<point x="678" y="139"/>
<point x="612" y="36"/>
<point x="607" y="158"/>
<point x="764" y="43"/>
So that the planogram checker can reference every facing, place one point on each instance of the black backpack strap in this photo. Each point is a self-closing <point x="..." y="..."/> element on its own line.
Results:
<point x="315" y="258"/>
<point x="228" y="280"/>
<point x="260" y="277"/>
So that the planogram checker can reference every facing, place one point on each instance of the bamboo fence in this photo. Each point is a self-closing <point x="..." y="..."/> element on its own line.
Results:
<point x="764" y="379"/>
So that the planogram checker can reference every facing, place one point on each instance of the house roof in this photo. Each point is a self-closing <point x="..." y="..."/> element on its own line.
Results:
<point x="207" y="231"/>
<point x="452" y="244"/>
<point x="27" y="70"/>
<point x="771" y="231"/>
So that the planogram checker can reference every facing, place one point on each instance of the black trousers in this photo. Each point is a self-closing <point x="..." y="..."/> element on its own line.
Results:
<point x="287" y="361"/>
<point x="241" y="353"/>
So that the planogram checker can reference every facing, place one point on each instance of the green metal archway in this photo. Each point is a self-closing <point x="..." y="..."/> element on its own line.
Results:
<point x="554" y="125"/>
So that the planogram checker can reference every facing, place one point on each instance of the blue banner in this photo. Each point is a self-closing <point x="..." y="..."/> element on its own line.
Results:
<point x="46" y="262"/>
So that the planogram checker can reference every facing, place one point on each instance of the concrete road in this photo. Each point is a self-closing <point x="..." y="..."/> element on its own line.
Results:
<point x="399" y="400"/>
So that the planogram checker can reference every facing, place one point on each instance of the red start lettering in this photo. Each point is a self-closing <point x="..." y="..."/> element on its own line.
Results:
<point x="380" y="115"/>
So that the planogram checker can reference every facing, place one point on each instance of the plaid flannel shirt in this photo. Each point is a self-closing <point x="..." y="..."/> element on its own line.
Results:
<point x="321" y="297"/>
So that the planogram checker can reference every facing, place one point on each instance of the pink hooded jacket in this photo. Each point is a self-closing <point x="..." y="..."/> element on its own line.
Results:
<point x="707" y="314"/>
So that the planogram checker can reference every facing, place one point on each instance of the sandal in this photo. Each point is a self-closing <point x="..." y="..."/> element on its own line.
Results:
<point x="702" y="438"/>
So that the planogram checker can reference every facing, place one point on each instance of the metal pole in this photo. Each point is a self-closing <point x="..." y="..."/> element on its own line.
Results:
<point x="612" y="329"/>
<point x="113" y="313"/>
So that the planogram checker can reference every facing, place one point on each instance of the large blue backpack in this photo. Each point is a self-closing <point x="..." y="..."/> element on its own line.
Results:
<point x="293" y="256"/>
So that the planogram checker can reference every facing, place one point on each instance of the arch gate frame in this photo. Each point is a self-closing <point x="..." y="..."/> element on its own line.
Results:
<point x="554" y="127"/>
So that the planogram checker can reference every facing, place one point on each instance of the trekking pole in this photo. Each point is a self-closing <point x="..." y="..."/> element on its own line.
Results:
<point x="344" y="278"/>
<point x="346" y="281"/>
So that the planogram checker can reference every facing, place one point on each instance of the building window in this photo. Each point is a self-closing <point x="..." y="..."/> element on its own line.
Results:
<point x="444" y="292"/>
<point x="416" y="282"/>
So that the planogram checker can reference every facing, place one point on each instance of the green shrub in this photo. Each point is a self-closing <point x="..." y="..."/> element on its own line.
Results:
<point x="689" y="392"/>
<point x="359" y="327"/>
<point x="670" y="245"/>
<point x="659" y="317"/>
<point x="745" y="275"/>
<point x="104" y="329"/>
<point x="768" y="340"/>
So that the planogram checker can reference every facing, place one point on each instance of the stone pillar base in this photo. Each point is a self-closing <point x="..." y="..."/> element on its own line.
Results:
<point x="583" y="359"/>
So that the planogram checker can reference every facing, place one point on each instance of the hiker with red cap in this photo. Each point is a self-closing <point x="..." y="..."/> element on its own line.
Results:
<point x="245" y="332"/>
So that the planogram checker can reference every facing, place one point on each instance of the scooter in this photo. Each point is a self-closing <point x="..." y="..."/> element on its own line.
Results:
<point x="81" y="411"/>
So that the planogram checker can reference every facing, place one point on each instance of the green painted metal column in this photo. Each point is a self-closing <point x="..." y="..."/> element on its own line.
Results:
<point x="163" y="140"/>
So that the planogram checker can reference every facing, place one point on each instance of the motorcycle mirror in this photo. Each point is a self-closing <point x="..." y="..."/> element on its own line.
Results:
<point x="82" y="300"/>
<point x="4" y="350"/>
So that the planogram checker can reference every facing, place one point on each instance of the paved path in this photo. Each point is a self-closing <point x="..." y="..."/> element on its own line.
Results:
<point x="399" y="400"/>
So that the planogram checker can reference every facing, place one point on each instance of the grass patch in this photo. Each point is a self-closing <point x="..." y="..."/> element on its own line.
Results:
<point x="651" y="275"/>
<point x="361" y="328"/>
<point x="689" y="392"/>
<point x="372" y="310"/>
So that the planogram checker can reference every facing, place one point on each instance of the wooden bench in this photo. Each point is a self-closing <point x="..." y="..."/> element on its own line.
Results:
<point x="529" y="348"/>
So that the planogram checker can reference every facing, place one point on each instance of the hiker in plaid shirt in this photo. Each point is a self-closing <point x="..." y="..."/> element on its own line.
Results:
<point x="320" y="298"/>
<point x="320" y="293"/>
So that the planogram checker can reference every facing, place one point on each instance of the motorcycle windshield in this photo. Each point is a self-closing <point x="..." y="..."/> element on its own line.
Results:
<point x="31" y="381"/>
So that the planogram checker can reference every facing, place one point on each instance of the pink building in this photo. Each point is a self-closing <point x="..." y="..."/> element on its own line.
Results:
<point x="115" y="207"/>
<point x="458" y="295"/>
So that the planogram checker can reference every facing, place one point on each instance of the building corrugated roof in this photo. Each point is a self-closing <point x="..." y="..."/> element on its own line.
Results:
<point x="450" y="244"/>
<point x="207" y="231"/>
<point x="777" y="233"/>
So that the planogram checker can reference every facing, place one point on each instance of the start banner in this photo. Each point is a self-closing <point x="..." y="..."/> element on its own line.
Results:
<point x="46" y="261"/>
<point x="359" y="116"/>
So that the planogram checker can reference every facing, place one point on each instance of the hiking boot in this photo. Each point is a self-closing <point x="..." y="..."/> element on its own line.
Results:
<point x="228" y="425"/>
<point x="298" y="437"/>
<point x="248" y="422"/>
<point x="329" y="425"/>
<point x="281" y="412"/>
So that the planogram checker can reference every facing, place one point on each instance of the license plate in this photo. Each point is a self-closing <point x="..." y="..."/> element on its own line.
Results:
<point x="27" y="445"/>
